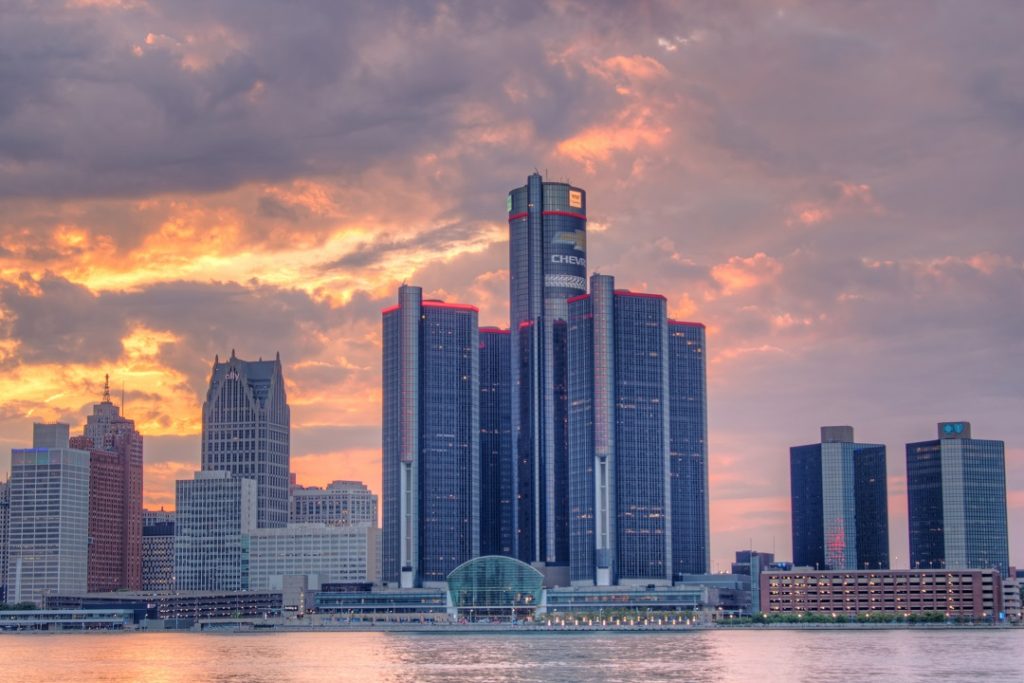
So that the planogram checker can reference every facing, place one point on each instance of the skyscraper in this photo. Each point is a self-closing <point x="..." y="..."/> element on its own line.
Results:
<point x="497" y="524"/>
<point x="956" y="494"/>
<point x="547" y="265"/>
<point x="48" y="534"/>
<point x="431" y="438"/>
<point x="246" y="431"/>
<point x="620" y="494"/>
<point x="839" y="508"/>
<point x="5" y="517"/>
<point x="215" y="515"/>
<point x="688" y="448"/>
<point x="115" y="497"/>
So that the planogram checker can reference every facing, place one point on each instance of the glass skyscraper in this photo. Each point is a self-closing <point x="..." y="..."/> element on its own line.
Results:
<point x="619" y="432"/>
<point x="688" y="448"/>
<point x="497" y="526"/>
<point x="839" y="493"/>
<point x="431" y="438"/>
<point x="547" y="265"/>
<point x="246" y="431"/>
<point x="956" y="494"/>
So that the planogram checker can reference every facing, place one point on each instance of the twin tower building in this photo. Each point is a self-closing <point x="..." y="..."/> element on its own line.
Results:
<point x="575" y="440"/>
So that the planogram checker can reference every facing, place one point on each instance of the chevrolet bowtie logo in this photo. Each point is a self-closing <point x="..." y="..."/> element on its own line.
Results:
<point x="577" y="238"/>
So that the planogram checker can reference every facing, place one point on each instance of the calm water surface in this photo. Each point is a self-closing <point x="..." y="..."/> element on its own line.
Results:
<point x="705" y="656"/>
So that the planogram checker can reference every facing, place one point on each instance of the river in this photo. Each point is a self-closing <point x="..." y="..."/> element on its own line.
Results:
<point x="716" y="655"/>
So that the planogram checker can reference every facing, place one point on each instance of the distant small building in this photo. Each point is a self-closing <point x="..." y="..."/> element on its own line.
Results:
<point x="157" y="550"/>
<point x="340" y="503"/>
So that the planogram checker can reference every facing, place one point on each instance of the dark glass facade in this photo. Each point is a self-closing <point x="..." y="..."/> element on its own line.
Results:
<point x="688" y="448"/>
<point x="956" y="494"/>
<point x="839" y="509"/>
<point x="497" y="526"/>
<point x="246" y="431"/>
<point x="620" y="489"/>
<point x="431" y="438"/>
<point x="547" y="265"/>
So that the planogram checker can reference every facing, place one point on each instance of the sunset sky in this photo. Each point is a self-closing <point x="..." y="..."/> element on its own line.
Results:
<point x="833" y="188"/>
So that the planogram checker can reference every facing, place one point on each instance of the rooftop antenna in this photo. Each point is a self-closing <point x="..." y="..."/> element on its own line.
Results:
<point x="106" y="388"/>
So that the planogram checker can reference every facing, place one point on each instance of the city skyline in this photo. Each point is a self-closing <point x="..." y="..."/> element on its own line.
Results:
<point x="821" y="223"/>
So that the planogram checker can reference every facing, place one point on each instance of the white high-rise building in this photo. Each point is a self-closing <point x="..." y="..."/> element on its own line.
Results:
<point x="215" y="516"/>
<point x="48" y="528"/>
<point x="321" y="553"/>
<point x="341" y="503"/>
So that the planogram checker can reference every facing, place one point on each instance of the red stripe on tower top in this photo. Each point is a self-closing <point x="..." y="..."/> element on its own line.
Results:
<point x="389" y="309"/>
<point x="570" y="214"/>
<point x="517" y="216"/>
<point x="626" y="292"/>
<point x="578" y="297"/>
<point x="495" y="330"/>
<point x="683" y="322"/>
<point x="458" y="307"/>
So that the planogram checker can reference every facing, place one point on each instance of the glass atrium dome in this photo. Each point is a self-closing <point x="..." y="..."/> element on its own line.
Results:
<point x="495" y="586"/>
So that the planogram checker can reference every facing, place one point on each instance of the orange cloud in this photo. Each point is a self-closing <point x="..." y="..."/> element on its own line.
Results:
<point x="635" y="127"/>
<point x="739" y="273"/>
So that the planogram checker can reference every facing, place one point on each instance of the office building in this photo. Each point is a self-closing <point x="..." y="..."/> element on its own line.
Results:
<point x="839" y="508"/>
<point x="497" y="524"/>
<point x="246" y="431"/>
<point x="688" y="448"/>
<point x="619" y="467"/>
<point x="956" y="494"/>
<point x="318" y="552"/>
<point x="115" y="496"/>
<point x="48" y="534"/>
<point x="547" y="265"/>
<point x="5" y="516"/>
<point x="431" y="438"/>
<point x="969" y="594"/>
<point x="215" y="515"/>
<point x="157" y="550"/>
<point x="341" y="503"/>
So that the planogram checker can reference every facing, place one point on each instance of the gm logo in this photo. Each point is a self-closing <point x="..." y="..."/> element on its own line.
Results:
<point x="577" y="239"/>
<point x="953" y="428"/>
<point x="571" y="260"/>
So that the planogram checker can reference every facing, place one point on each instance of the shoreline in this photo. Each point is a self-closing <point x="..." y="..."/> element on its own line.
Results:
<point x="248" y="628"/>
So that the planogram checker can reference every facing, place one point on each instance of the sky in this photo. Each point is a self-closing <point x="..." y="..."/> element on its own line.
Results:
<point x="833" y="188"/>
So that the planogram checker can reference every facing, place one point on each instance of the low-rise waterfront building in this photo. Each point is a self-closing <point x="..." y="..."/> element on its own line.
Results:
<point x="177" y="606"/>
<point x="321" y="553"/>
<point x="971" y="594"/>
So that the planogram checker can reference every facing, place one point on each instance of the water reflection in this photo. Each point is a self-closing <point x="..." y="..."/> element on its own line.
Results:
<point x="703" y="656"/>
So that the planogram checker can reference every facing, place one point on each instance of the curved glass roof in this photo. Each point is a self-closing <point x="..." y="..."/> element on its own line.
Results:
<point x="495" y="581"/>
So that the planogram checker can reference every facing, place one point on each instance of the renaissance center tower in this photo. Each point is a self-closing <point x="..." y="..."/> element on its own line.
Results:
<point x="547" y="265"/>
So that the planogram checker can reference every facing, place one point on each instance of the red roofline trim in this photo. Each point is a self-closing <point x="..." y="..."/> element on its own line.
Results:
<point x="442" y="304"/>
<point x="626" y="292"/>
<point x="578" y="297"/>
<point x="683" y="322"/>
<point x="495" y="330"/>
